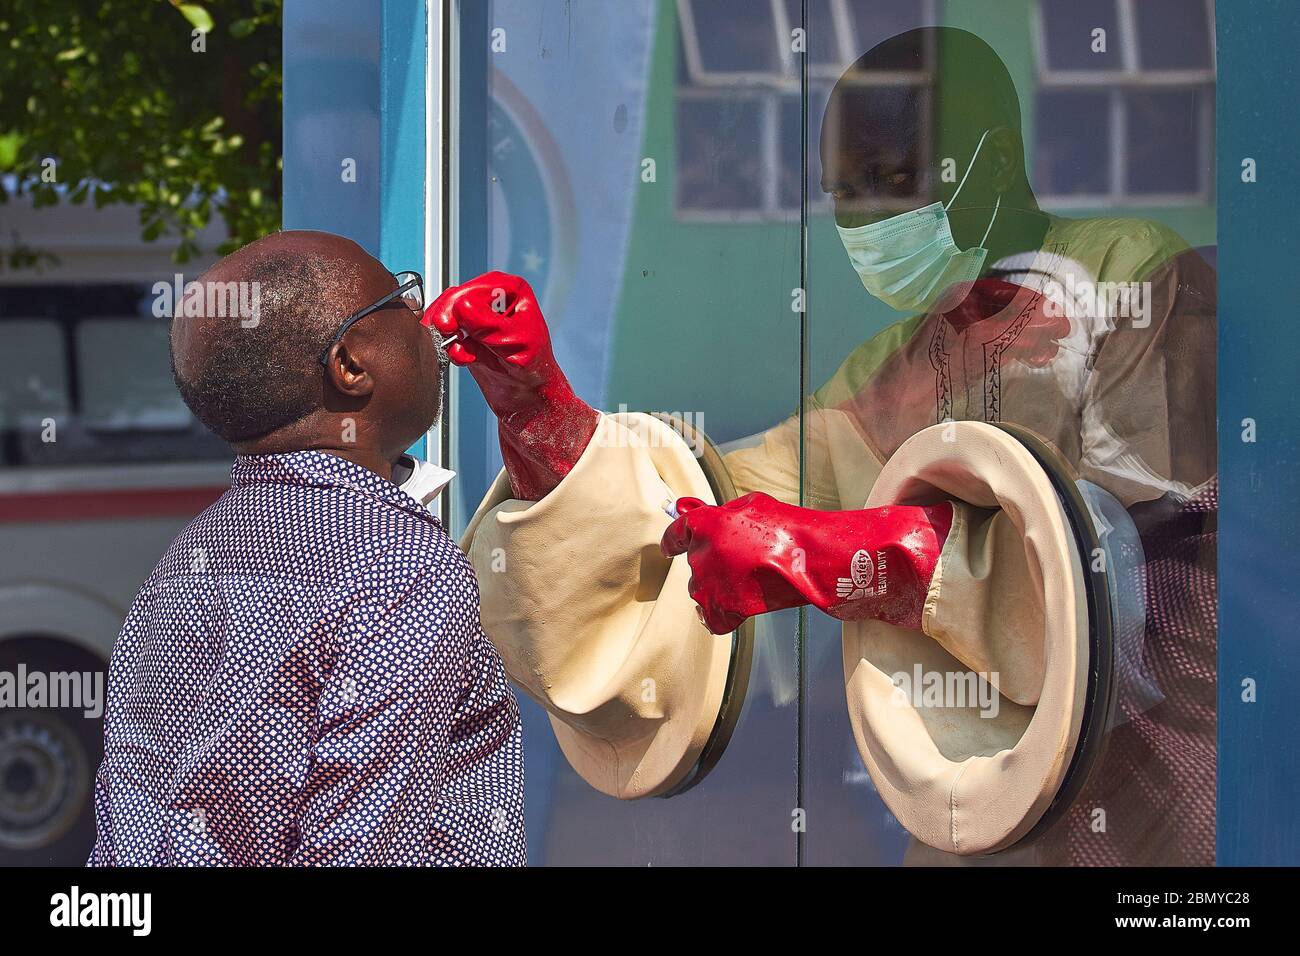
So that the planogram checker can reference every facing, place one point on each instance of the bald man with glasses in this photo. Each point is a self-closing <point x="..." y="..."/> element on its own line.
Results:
<point x="303" y="679"/>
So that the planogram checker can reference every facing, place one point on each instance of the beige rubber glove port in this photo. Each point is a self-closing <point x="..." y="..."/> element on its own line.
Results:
<point x="964" y="771"/>
<point x="593" y="622"/>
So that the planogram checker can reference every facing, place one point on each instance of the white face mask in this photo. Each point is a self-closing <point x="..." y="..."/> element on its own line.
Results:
<point x="910" y="261"/>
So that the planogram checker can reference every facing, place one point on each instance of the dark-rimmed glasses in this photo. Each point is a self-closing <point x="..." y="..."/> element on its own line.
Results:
<point x="410" y="289"/>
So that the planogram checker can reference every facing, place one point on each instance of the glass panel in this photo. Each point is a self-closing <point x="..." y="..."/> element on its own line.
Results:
<point x="732" y="36"/>
<point x="823" y="45"/>
<point x="874" y="22"/>
<point x="644" y="211"/>
<point x="657" y="217"/>
<point x="1164" y="142"/>
<point x="1070" y="33"/>
<point x="1173" y="35"/>
<point x="893" y="174"/>
<point x="1067" y="164"/>
<point x="719" y="153"/>
<point x="790" y="123"/>
<point x="1090" y="328"/>
<point x="818" y="96"/>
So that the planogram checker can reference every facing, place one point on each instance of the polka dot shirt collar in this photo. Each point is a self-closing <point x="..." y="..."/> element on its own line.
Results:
<point x="318" y="469"/>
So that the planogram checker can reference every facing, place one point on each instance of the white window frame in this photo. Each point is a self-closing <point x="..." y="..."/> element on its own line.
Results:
<point x="700" y="77"/>
<point x="768" y="88"/>
<point x="1115" y="84"/>
<point x="440" y="70"/>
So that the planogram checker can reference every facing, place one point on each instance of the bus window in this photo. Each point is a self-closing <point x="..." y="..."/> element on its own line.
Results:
<point x="39" y="387"/>
<point x="96" y="385"/>
<point x="124" y="371"/>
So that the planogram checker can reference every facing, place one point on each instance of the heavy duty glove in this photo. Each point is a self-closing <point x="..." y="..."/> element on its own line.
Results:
<point x="501" y="337"/>
<point x="757" y="554"/>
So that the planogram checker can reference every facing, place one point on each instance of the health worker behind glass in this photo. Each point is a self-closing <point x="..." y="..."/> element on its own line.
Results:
<point x="1004" y="326"/>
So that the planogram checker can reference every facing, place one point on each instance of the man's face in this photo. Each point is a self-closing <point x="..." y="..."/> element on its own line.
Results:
<point x="870" y="157"/>
<point x="402" y="358"/>
<point x="408" y="368"/>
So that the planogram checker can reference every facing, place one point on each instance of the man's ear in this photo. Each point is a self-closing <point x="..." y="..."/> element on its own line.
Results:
<point x="345" y="373"/>
<point x="1007" y="154"/>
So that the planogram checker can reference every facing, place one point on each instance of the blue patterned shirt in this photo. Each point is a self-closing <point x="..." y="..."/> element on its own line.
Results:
<point x="303" y="680"/>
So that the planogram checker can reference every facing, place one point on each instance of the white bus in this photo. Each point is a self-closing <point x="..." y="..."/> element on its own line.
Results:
<point x="100" y="466"/>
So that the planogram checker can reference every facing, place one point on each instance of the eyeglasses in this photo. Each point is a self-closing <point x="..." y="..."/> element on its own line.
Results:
<point x="410" y="291"/>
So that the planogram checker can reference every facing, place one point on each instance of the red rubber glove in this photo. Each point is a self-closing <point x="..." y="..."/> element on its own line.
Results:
<point x="757" y="554"/>
<point x="503" y="340"/>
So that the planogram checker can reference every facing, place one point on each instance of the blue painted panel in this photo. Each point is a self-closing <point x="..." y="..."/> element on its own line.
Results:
<point x="402" y="130"/>
<point x="331" y="115"/>
<point x="354" y="78"/>
<point x="402" y="197"/>
<point x="1259" y="763"/>
<point x="474" y="453"/>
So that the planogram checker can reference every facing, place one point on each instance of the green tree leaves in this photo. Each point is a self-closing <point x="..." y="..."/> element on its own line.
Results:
<point x="118" y="95"/>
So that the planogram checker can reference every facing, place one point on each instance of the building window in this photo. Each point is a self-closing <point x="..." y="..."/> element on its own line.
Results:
<point x="738" y="109"/>
<point x="1124" y="113"/>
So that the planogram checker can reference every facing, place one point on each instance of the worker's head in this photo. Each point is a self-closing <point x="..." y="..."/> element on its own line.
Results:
<point x="888" y="146"/>
<point x="281" y="377"/>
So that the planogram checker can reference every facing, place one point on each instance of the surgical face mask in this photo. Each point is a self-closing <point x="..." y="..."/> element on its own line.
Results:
<point x="910" y="261"/>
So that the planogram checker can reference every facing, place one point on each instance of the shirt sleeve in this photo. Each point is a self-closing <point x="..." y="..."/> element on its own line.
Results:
<point x="123" y="665"/>
<point x="838" y="466"/>
<point x="390" y="687"/>
<point x="1149" y="424"/>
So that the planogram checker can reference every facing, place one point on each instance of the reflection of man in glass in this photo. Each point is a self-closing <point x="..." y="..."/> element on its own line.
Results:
<point x="1096" y="334"/>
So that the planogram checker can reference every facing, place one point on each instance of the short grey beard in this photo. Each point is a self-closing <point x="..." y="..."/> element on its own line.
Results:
<point x="444" y="368"/>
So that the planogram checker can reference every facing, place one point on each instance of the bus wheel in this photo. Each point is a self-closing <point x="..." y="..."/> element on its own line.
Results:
<point x="48" y="758"/>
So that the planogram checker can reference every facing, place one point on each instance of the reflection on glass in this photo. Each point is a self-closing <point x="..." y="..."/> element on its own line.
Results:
<point x="1066" y="164"/>
<point x="1076" y="35"/>
<point x="646" y="178"/>
<point x="1093" y="330"/>
<point x="637" y="183"/>
<point x="720" y="162"/>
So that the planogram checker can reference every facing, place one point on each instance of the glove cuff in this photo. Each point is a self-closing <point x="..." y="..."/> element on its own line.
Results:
<point x="876" y="563"/>
<point x="542" y="439"/>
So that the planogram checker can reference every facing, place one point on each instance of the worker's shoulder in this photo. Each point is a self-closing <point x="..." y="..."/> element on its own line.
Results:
<point x="426" y="599"/>
<point x="1118" y="248"/>
<point x="424" y="553"/>
<point x="366" y="523"/>
<point x="1108" y="230"/>
<point x="415" y="551"/>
